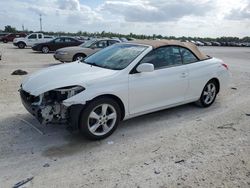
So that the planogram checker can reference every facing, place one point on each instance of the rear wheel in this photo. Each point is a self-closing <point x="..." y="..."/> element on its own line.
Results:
<point x="208" y="95"/>
<point x="100" y="118"/>
<point x="21" y="45"/>
<point x="45" y="49"/>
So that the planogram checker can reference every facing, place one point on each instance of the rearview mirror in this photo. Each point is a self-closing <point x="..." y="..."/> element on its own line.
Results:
<point x="145" y="67"/>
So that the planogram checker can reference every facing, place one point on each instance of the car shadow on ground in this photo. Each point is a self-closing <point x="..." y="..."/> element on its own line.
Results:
<point x="55" y="141"/>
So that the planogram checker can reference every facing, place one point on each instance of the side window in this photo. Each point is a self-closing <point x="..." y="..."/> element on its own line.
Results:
<point x="112" y="42"/>
<point x="59" y="40"/>
<point x="69" y="40"/>
<point x="187" y="56"/>
<point x="33" y="36"/>
<point x="101" y="44"/>
<point x="40" y="36"/>
<point x="163" y="57"/>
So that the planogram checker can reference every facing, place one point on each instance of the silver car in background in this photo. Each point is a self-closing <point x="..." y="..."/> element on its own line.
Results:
<point x="75" y="53"/>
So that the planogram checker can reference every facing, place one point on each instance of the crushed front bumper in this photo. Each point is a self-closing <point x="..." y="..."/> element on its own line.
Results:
<point x="73" y="112"/>
<point x="27" y="101"/>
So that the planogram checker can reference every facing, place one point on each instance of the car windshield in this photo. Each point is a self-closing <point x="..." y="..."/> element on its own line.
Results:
<point x="87" y="44"/>
<point x="115" y="57"/>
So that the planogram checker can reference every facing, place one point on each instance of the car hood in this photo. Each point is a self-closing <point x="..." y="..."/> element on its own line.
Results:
<point x="58" y="76"/>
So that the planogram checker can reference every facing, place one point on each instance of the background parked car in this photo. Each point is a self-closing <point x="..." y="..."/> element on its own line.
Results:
<point x="10" y="37"/>
<point x="216" y="43"/>
<point x="31" y="39"/>
<point x="79" y="52"/>
<point x="2" y="35"/>
<point x="56" y="44"/>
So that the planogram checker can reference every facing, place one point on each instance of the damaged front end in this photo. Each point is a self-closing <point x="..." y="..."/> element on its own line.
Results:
<point x="48" y="107"/>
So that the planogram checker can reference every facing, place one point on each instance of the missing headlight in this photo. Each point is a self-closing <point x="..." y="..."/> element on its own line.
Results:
<point x="60" y="94"/>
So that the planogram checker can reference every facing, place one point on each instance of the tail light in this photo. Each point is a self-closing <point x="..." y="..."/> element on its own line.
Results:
<point x="225" y="65"/>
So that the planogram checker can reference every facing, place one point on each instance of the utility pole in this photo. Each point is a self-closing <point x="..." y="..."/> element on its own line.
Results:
<point x="23" y="27"/>
<point x="41" y="28"/>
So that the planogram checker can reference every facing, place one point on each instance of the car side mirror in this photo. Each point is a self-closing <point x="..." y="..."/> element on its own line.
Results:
<point x="145" y="67"/>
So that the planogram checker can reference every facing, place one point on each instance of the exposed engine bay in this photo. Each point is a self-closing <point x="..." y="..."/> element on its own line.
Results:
<point x="48" y="107"/>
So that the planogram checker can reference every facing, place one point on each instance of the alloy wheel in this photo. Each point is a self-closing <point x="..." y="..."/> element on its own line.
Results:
<point x="209" y="93"/>
<point x="102" y="119"/>
<point x="45" y="49"/>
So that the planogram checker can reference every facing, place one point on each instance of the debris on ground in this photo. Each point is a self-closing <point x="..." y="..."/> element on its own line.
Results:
<point x="110" y="142"/>
<point x="46" y="165"/>
<point x="19" y="72"/>
<point x="157" y="171"/>
<point x="31" y="125"/>
<point x="156" y="149"/>
<point x="233" y="88"/>
<point x="146" y="163"/>
<point x="227" y="126"/>
<point x="22" y="182"/>
<point x="247" y="114"/>
<point x="180" y="161"/>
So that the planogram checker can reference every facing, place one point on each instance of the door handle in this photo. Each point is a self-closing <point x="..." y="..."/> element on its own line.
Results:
<point x="184" y="74"/>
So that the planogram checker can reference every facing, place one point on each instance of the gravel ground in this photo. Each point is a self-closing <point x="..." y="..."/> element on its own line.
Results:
<point x="186" y="146"/>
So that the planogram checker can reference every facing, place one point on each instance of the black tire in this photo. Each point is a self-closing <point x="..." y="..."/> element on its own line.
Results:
<point x="78" y="57"/>
<point x="203" y="102"/>
<point x="45" y="49"/>
<point x="21" y="45"/>
<point x="93" y="106"/>
<point x="5" y="40"/>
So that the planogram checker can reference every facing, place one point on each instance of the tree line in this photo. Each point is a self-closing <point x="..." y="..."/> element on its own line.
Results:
<point x="10" y="29"/>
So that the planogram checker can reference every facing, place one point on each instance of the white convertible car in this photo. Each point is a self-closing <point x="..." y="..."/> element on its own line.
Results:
<point x="123" y="81"/>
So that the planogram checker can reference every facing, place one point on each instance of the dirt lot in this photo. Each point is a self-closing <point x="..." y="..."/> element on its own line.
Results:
<point x="185" y="146"/>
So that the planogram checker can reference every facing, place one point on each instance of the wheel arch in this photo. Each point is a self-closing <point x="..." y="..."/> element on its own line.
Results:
<point x="45" y="45"/>
<point x="117" y="99"/>
<point x="217" y="82"/>
<point x="22" y="42"/>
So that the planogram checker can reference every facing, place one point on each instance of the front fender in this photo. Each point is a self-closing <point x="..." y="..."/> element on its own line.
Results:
<point x="87" y="95"/>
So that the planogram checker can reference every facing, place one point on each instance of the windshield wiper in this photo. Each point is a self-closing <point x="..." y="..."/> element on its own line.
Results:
<point x="93" y="64"/>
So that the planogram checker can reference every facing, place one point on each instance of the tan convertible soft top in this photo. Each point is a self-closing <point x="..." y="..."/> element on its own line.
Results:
<point x="160" y="43"/>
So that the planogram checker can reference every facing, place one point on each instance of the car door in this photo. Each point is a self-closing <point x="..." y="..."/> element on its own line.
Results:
<point x="166" y="85"/>
<point x="100" y="45"/>
<point x="40" y="38"/>
<point x="199" y="73"/>
<point x="58" y="43"/>
<point x="111" y="42"/>
<point x="32" y="39"/>
<point x="70" y="42"/>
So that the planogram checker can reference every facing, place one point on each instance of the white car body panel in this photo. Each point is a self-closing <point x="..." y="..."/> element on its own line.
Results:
<point x="158" y="88"/>
<point x="140" y="93"/>
<point x="64" y="75"/>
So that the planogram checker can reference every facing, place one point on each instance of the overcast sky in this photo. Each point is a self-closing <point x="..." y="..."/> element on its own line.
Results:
<point x="204" y="18"/>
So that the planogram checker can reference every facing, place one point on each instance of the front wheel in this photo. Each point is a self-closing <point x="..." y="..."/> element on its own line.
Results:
<point x="208" y="94"/>
<point x="79" y="57"/>
<point x="100" y="118"/>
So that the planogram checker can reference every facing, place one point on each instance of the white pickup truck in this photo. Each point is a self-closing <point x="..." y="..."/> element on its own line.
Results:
<point x="31" y="40"/>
